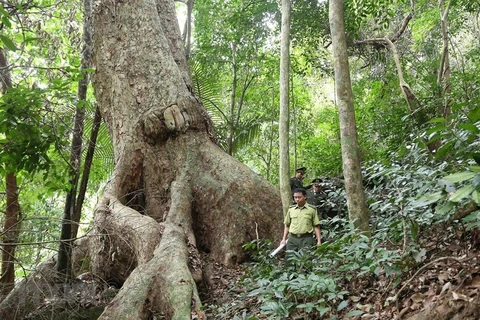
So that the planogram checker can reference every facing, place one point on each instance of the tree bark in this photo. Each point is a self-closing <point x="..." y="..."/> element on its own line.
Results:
<point x="71" y="217"/>
<point x="283" y="125"/>
<point x="11" y="225"/>
<point x="357" y="209"/>
<point x="233" y="100"/>
<point x="173" y="192"/>
<point x="11" y="230"/>
<point x="443" y="78"/>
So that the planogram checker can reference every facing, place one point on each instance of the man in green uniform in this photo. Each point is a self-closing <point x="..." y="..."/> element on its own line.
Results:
<point x="296" y="182"/>
<point x="301" y="221"/>
<point x="316" y="197"/>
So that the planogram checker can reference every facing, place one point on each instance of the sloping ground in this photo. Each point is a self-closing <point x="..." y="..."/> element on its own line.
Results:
<point x="446" y="285"/>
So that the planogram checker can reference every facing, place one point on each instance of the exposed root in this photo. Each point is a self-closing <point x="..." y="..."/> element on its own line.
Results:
<point x="27" y="295"/>
<point x="123" y="239"/>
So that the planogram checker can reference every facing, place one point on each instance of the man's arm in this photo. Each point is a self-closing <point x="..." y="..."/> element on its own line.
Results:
<point x="317" y="234"/>
<point x="285" y="234"/>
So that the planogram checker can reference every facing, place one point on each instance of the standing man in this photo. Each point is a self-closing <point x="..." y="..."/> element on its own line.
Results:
<point x="296" y="181"/>
<point x="300" y="222"/>
<point x="316" y="197"/>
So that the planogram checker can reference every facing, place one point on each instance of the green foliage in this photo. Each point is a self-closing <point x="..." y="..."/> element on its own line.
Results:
<point x="28" y="135"/>
<point x="315" y="283"/>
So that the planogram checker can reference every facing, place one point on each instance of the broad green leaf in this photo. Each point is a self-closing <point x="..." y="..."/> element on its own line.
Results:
<point x="461" y="193"/>
<point x="323" y="310"/>
<point x="474" y="216"/>
<point x="476" y="196"/>
<point x="436" y="120"/>
<point x="427" y="199"/>
<point x="6" y="22"/>
<point x="8" y="43"/>
<point x="445" y="208"/>
<point x="474" y="168"/>
<point x="342" y="305"/>
<point x="474" y="115"/>
<point x="443" y="150"/>
<point x="469" y="127"/>
<point x="436" y="129"/>
<point x="354" y="313"/>
<point x="459" y="177"/>
<point x="4" y="12"/>
<point x="476" y="181"/>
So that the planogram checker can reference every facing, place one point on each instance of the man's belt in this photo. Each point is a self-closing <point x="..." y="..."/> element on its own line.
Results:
<point x="301" y="235"/>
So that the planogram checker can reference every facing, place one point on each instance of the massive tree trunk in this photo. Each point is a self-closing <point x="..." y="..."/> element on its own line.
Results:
<point x="173" y="192"/>
<point x="357" y="209"/>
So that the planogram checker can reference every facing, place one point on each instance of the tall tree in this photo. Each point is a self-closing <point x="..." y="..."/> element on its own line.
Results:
<point x="173" y="192"/>
<point x="11" y="226"/>
<point x="357" y="209"/>
<point x="71" y="215"/>
<point x="283" y="125"/>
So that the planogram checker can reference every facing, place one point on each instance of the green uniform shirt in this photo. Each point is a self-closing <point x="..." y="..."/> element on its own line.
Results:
<point x="301" y="220"/>
<point x="295" y="183"/>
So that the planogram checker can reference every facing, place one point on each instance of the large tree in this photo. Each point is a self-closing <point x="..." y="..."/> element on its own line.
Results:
<point x="357" y="209"/>
<point x="174" y="192"/>
<point x="283" y="122"/>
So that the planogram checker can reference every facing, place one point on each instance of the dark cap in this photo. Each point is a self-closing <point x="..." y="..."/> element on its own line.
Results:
<point x="302" y="169"/>
<point x="317" y="181"/>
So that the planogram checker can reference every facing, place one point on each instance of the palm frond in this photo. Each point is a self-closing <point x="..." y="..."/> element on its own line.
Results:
<point x="245" y="133"/>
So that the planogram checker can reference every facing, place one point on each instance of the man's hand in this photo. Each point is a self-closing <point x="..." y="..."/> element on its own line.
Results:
<point x="282" y="242"/>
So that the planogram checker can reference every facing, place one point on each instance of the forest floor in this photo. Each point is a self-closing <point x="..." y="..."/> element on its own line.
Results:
<point x="446" y="285"/>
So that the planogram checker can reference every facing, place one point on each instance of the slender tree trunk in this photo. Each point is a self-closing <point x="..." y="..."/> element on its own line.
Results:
<point x="97" y="121"/>
<point x="283" y="125"/>
<point x="272" y="133"/>
<point x="11" y="225"/>
<point x="187" y="39"/>
<point x="11" y="230"/>
<point x="69" y="216"/>
<point x="231" y="121"/>
<point x="295" y="127"/>
<point x="443" y="79"/>
<point x="82" y="96"/>
<point x="357" y="208"/>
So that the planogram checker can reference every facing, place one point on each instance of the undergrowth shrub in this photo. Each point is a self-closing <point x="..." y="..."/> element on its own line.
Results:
<point x="318" y="283"/>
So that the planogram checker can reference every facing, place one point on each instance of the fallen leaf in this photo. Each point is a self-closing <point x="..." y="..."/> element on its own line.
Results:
<point x="429" y="302"/>
<point x="442" y="276"/>
<point x="445" y="287"/>
<point x="474" y="283"/>
<point x="459" y="296"/>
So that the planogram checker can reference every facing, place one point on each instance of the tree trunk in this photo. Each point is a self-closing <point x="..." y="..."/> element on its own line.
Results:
<point x="11" y="226"/>
<point x="357" y="209"/>
<point x="82" y="190"/>
<point x="71" y="217"/>
<point x="82" y="96"/>
<point x="173" y="191"/>
<point x="283" y="125"/>
<point x="11" y="230"/>
<point x="443" y="78"/>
